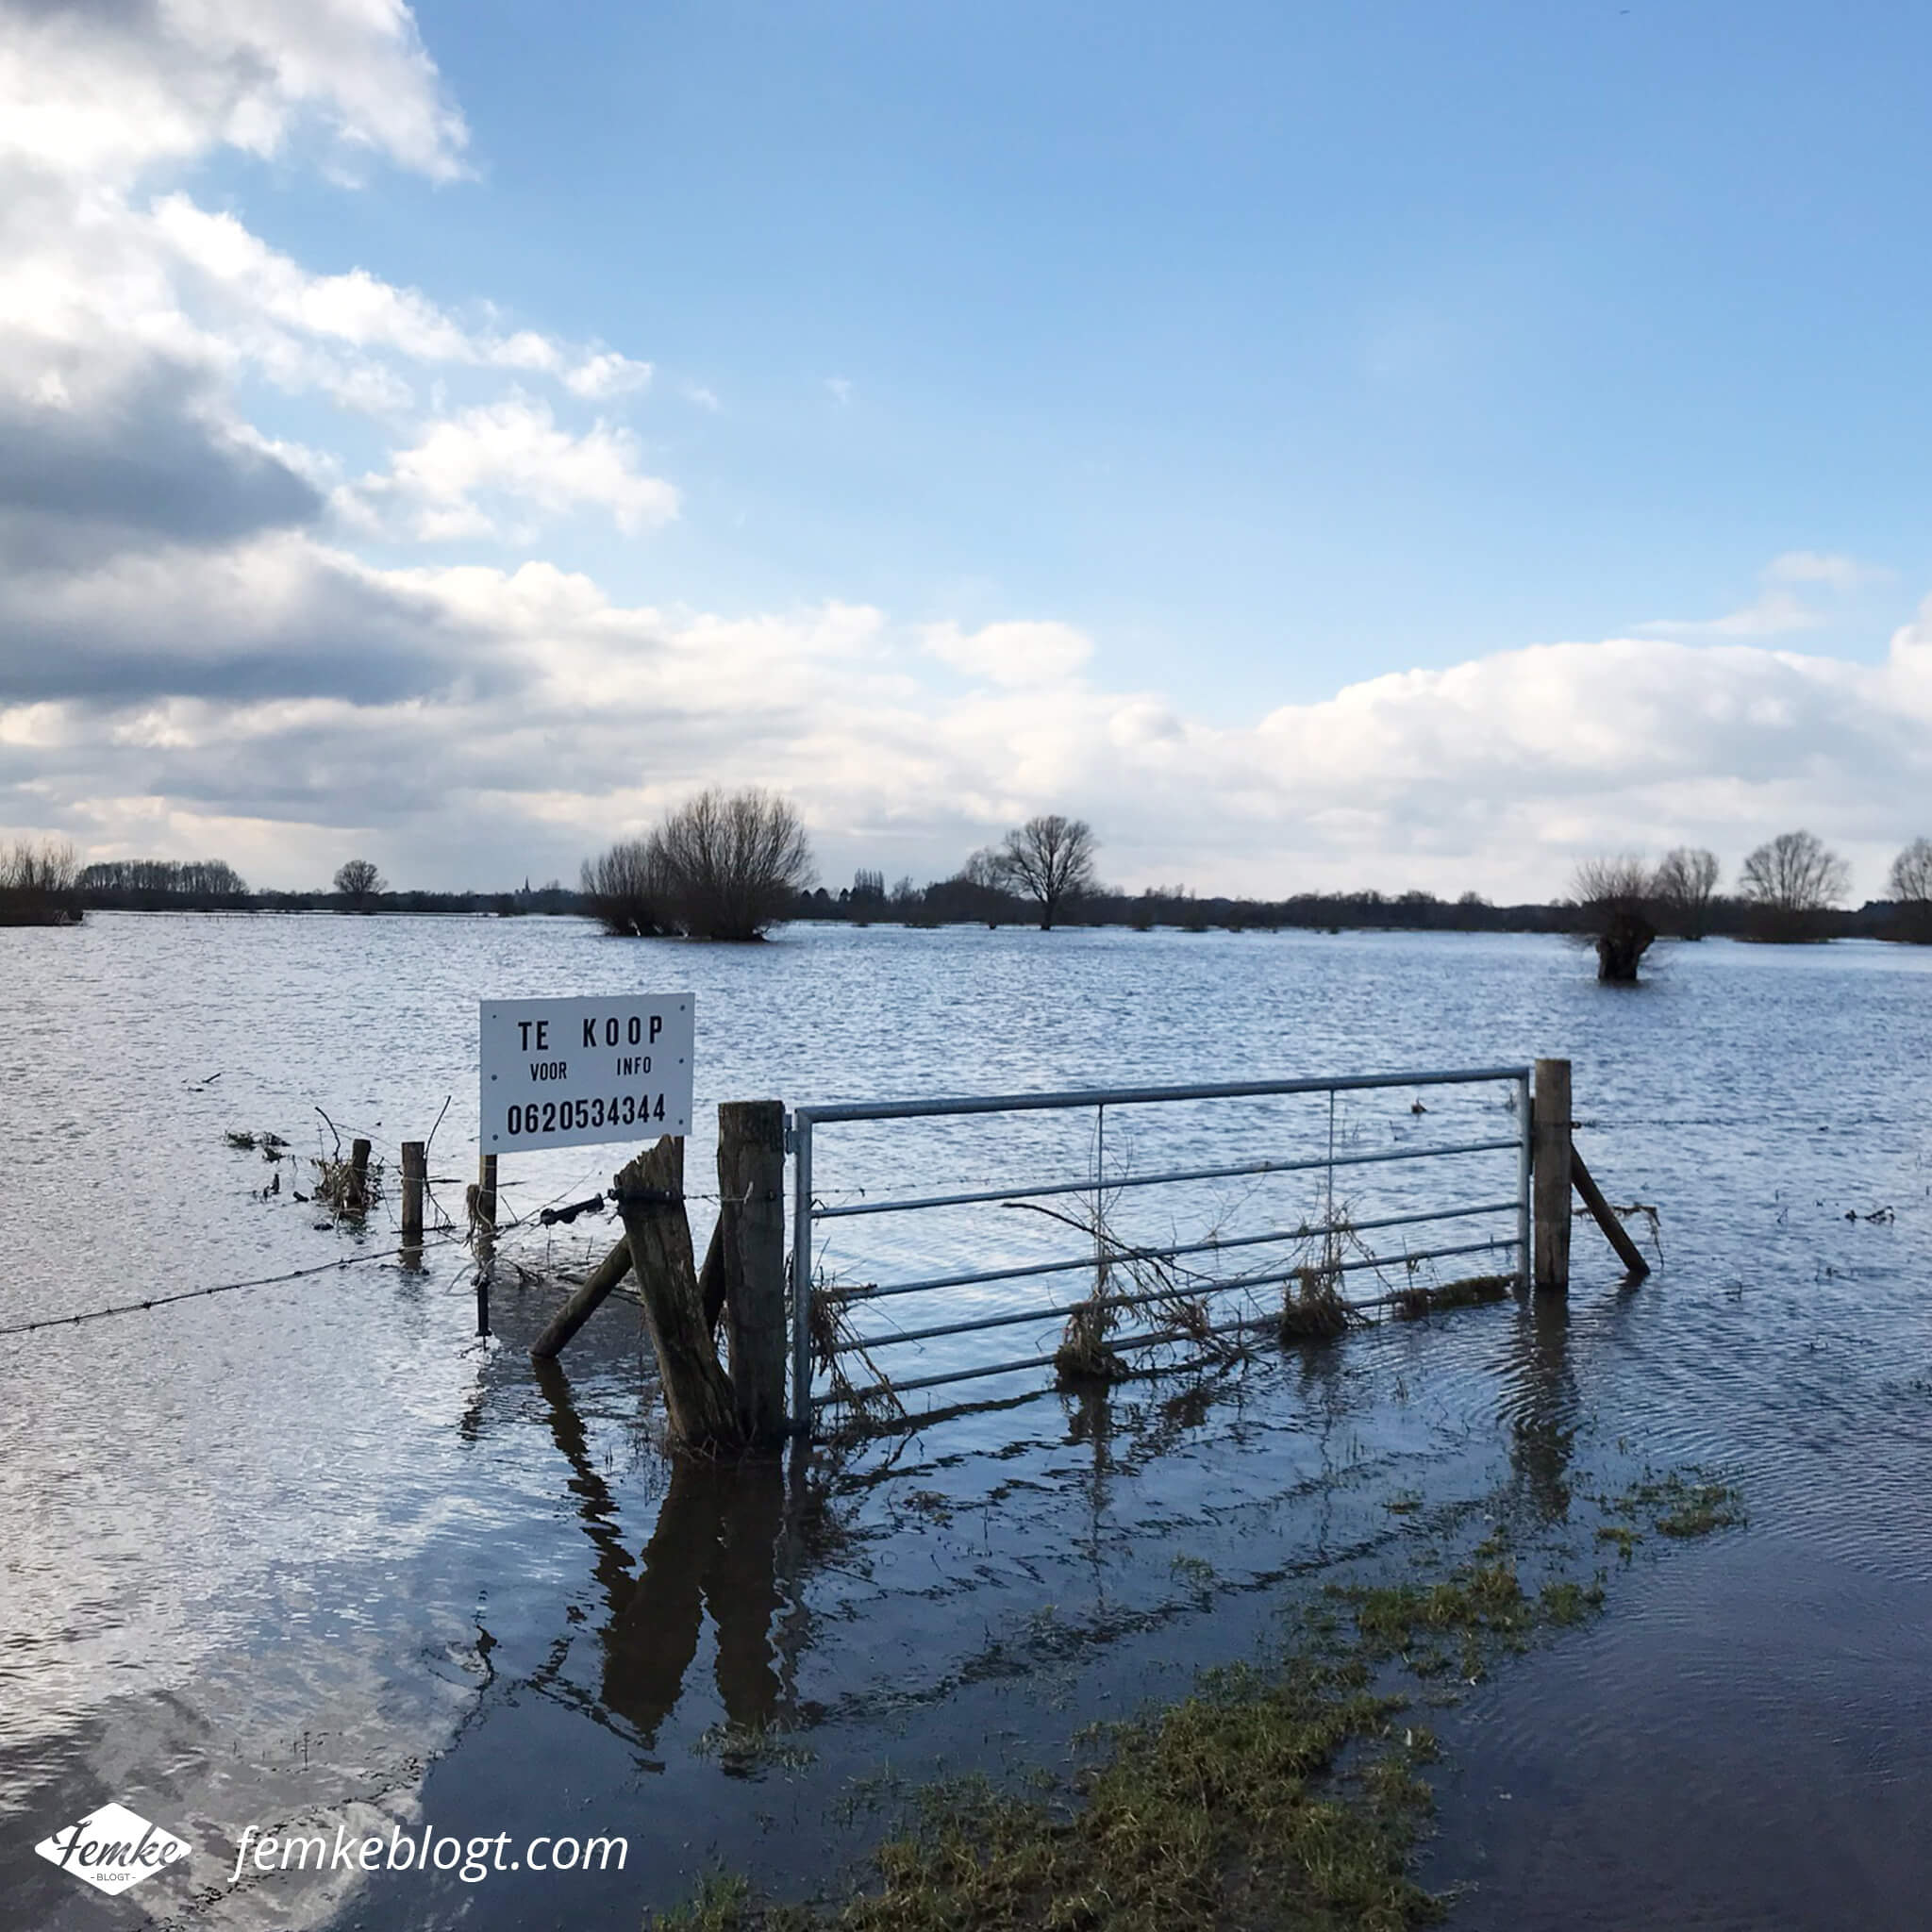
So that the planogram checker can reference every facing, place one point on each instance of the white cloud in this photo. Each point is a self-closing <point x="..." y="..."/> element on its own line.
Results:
<point x="467" y="475"/>
<point x="604" y="373"/>
<point x="96" y="92"/>
<point x="1833" y="568"/>
<point x="1778" y="609"/>
<point x="517" y="702"/>
<point x="1012" y="653"/>
<point x="272" y="309"/>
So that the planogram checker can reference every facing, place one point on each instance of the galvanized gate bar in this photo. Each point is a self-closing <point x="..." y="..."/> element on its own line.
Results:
<point x="987" y="1196"/>
<point x="1135" y="1096"/>
<point x="857" y="1296"/>
<point x="1269" y="1277"/>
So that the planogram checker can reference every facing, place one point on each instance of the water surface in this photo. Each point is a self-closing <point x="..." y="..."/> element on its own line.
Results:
<point x="315" y="1551"/>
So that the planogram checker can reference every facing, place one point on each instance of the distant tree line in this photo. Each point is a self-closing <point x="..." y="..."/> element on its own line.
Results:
<point x="731" y="865"/>
<point x="151" y="885"/>
<point x="213" y="885"/>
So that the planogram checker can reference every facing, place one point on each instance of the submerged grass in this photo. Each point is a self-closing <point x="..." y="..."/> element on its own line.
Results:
<point x="1283" y="1798"/>
<point x="1412" y="1303"/>
<point x="1286" y="1796"/>
<point x="1312" y="1309"/>
<point x="1679" y="1506"/>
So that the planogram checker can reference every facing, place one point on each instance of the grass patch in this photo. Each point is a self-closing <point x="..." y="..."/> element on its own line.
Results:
<point x="1228" y="1807"/>
<point x="1312" y="1309"/>
<point x="1677" y="1505"/>
<point x="751" y="1750"/>
<point x="1411" y="1303"/>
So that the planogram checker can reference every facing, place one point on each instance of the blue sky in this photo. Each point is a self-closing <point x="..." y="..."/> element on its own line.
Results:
<point x="1270" y="353"/>
<point x="1376" y="338"/>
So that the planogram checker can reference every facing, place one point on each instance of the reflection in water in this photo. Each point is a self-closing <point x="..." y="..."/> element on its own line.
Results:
<point x="1541" y="1404"/>
<point x="715" y="1548"/>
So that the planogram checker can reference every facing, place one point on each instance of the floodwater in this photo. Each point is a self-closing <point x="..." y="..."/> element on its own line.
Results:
<point x="315" y="1554"/>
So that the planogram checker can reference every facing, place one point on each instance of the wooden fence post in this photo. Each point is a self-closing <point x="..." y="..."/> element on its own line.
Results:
<point x="414" y="1173"/>
<point x="1550" y="1176"/>
<point x="486" y="1192"/>
<point x="355" y="1197"/>
<point x="751" y="1217"/>
<point x="697" y="1396"/>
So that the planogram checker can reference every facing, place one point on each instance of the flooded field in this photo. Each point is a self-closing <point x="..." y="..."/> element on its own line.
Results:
<point x="314" y="1553"/>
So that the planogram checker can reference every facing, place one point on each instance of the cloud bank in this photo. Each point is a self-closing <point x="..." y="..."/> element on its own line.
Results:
<point x="199" y="653"/>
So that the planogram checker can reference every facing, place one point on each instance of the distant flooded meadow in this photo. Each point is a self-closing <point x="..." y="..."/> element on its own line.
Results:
<point x="315" y="1554"/>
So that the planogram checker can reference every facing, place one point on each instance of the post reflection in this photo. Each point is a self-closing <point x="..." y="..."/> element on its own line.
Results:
<point x="1541" y="1404"/>
<point x="714" y="1551"/>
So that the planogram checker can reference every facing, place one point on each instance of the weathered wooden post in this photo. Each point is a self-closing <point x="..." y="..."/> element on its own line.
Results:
<point x="415" y="1170"/>
<point x="355" y="1195"/>
<point x="697" y="1396"/>
<point x="751" y="1221"/>
<point x="1606" y="1217"/>
<point x="1549" y="1176"/>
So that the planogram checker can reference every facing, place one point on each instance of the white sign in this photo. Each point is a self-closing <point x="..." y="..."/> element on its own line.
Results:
<point x="566" y="1072"/>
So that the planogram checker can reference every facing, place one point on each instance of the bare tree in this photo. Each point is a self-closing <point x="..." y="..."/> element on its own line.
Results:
<point x="1613" y="894"/>
<point x="1911" y="873"/>
<point x="628" y="891"/>
<point x="1911" y="885"/>
<point x="1618" y="878"/>
<point x="1794" y="873"/>
<point x="1683" y="887"/>
<point x="39" y="884"/>
<point x="733" y="862"/>
<point x="1049" y="859"/>
<point x="357" y="880"/>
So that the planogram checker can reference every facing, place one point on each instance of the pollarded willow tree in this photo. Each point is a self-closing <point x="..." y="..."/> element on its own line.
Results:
<point x="1049" y="859"/>
<point x="724" y="865"/>
<point x="627" y="889"/>
<point x="1613" y="894"/>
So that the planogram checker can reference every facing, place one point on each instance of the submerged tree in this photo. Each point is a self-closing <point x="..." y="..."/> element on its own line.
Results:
<point x="1911" y="884"/>
<point x="358" y="880"/>
<point x="40" y="884"/>
<point x="1613" y="893"/>
<point x="1049" y="859"/>
<point x="722" y="866"/>
<point x="627" y="889"/>
<point x="1792" y="879"/>
<point x="1911" y="873"/>
<point x="1683" y="887"/>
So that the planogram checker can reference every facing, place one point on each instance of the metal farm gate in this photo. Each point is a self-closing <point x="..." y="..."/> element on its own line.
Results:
<point x="1184" y="1208"/>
